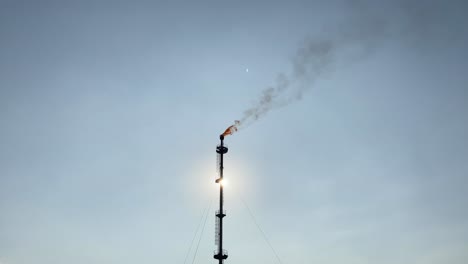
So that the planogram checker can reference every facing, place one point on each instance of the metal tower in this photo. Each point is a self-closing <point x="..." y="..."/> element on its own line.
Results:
<point x="220" y="254"/>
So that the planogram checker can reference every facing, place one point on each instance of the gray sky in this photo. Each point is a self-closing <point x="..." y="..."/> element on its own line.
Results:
<point x="110" y="112"/>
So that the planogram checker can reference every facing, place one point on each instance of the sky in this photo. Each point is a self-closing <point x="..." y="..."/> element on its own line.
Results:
<point x="110" y="113"/>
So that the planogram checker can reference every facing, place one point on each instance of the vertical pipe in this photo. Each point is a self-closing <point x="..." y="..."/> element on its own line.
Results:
<point x="221" y="167"/>
<point x="221" y="149"/>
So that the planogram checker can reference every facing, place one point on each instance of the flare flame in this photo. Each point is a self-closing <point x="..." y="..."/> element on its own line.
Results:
<point x="232" y="129"/>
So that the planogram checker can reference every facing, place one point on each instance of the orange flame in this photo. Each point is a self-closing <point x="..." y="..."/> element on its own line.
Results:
<point x="230" y="130"/>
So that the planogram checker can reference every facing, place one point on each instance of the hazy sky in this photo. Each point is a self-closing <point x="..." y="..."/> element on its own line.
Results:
<point x="110" y="112"/>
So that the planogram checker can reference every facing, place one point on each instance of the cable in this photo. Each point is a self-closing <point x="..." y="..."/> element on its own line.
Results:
<point x="260" y="229"/>
<point x="201" y="234"/>
<point x="196" y="232"/>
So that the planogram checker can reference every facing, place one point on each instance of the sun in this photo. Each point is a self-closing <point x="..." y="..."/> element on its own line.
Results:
<point x="223" y="182"/>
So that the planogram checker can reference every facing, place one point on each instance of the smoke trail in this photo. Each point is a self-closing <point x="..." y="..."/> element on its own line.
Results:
<point x="369" y="23"/>
<point x="436" y="26"/>
<point x="314" y="58"/>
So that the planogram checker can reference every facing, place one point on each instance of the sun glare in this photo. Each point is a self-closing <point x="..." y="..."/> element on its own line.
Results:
<point x="223" y="182"/>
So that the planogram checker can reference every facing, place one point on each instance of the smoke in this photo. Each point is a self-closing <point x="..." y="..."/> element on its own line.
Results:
<point x="314" y="58"/>
<point x="358" y="37"/>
